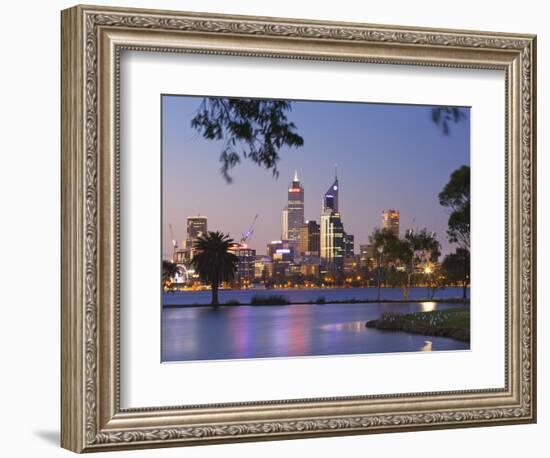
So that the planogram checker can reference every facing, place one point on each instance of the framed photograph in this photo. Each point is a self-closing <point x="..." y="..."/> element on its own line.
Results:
<point x="277" y="228"/>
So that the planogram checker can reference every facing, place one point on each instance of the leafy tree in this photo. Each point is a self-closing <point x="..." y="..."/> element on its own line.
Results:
<point x="419" y="247"/>
<point x="456" y="268"/>
<point x="424" y="243"/>
<point x="415" y="248"/>
<point x="387" y="241"/>
<point x="213" y="260"/>
<point x="443" y="116"/>
<point x="396" y="278"/>
<point x="387" y="249"/>
<point x="249" y="128"/>
<point x="257" y="128"/>
<point x="434" y="280"/>
<point x="456" y="197"/>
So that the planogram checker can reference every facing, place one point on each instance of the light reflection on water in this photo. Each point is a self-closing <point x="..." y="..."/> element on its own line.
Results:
<point x="355" y="326"/>
<point x="428" y="306"/>
<point x="427" y="346"/>
<point x="202" y="333"/>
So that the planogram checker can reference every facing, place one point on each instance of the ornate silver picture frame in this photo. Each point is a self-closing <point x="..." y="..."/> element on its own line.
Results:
<point x="93" y="39"/>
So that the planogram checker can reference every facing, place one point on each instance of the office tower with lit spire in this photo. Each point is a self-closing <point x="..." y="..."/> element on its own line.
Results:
<point x="330" y="200"/>
<point x="332" y="231"/>
<point x="390" y="221"/>
<point x="294" y="213"/>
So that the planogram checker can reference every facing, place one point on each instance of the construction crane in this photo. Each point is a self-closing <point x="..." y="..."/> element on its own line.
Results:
<point x="250" y="231"/>
<point x="174" y="241"/>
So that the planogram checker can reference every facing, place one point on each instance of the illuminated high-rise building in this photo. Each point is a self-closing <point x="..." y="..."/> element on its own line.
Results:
<point x="196" y="227"/>
<point x="284" y="232"/>
<point x="294" y="213"/>
<point x="390" y="221"/>
<point x="309" y="239"/>
<point x="366" y="256"/>
<point x="349" y="245"/>
<point x="263" y="267"/>
<point x="332" y="240"/>
<point x="275" y="245"/>
<point x="330" y="199"/>
<point x="246" y="263"/>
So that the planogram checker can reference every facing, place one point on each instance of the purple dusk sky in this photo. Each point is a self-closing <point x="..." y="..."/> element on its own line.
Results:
<point x="388" y="156"/>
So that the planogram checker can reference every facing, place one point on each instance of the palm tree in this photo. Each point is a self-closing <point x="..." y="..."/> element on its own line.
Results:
<point x="213" y="261"/>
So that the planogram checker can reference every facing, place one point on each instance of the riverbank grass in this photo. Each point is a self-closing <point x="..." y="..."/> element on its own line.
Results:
<point x="454" y="323"/>
<point x="272" y="299"/>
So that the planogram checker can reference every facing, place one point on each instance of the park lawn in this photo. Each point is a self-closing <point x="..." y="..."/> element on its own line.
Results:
<point x="454" y="323"/>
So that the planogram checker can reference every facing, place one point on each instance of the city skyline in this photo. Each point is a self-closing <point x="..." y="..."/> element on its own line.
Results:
<point x="192" y="184"/>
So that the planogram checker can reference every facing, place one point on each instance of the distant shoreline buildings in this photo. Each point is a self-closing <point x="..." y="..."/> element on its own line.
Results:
<point x="307" y="250"/>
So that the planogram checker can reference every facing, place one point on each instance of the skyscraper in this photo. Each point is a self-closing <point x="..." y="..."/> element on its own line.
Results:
<point x="294" y="212"/>
<point x="330" y="200"/>
<point x="332" y="231"/>
<point x="284" y="232"/>
<point x="349" y="245"/>
<point x="196" y="227"/>
<point x="309" y="239"/>
<point x="390" y="220"/>
<point x="332" y="242"/>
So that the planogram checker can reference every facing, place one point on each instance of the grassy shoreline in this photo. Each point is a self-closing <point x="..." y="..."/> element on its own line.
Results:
<point x="321" y="301"/>
<point x="453" y="323"/>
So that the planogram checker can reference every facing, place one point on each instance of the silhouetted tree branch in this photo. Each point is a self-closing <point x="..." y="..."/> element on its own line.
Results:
<point x="249" y="128"/>
<point x="257" y="129"/>
<point x="444" y="116"/>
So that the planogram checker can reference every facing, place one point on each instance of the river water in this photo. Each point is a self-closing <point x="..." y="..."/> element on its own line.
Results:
<point x="193" y="333"/>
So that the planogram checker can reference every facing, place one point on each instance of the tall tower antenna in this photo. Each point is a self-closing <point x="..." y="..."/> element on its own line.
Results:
<point x="296" y="175"/>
